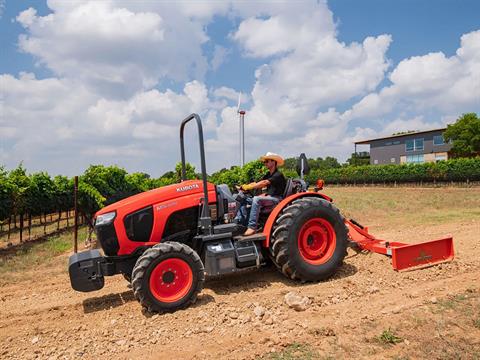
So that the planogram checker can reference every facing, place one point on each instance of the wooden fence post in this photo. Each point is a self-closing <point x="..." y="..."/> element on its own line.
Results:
<point x="75" y="232"/>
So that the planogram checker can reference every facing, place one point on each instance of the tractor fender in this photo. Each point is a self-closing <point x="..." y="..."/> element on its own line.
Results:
<point x="267" y="230"/>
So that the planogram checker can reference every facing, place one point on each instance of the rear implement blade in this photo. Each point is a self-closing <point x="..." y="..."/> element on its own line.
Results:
<point x="407" y="257"/>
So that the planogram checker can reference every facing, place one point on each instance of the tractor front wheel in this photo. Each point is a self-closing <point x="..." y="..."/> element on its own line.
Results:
<point x="309" y="240"/>
<point x="167" y="277"/>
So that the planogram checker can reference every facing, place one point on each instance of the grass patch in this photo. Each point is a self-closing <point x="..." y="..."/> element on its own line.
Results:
<point x="388" y="337"/>
<point x="451" y="303"/>
<point x="33" y="254"/>
<point x="416" y="206"/>
<point x="295" y="351"/>
<point x="476" y="322"/>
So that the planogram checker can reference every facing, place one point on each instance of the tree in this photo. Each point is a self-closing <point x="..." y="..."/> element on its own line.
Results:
<point x="110" y="181"/>
<point x="6" y="195"/>
<point x="20" y="183"/>
<point x="41" y="194"/>
<point x="358" y="159"/>
<point x="465" y="135"/>
<point x="189" y="171"/>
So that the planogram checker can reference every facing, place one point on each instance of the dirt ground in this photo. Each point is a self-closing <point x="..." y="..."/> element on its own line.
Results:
<point x="366" y="311"/>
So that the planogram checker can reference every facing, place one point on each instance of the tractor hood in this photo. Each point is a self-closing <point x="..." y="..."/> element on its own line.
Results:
<point x="156" y="196"/>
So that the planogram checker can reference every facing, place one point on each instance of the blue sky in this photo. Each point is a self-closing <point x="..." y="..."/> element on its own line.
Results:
<point x="109" y="81"/>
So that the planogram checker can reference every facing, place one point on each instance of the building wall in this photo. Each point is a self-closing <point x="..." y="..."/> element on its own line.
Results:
<point x="393" y="150"/>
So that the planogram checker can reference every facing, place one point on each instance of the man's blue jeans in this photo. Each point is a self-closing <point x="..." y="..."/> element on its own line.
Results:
<point x="259" y="203"/>
<point x="242" y="213"/>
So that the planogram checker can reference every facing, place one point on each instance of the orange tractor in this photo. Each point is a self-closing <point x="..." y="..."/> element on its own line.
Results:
<point x="165" y="241"/>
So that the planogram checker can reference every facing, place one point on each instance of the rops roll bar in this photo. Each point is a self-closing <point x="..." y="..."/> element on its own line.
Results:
<point x="205" y="219"/>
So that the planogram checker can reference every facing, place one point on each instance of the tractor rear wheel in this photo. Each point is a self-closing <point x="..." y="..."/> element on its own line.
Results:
<point x="309" y="240"/>
<point x="167" y="277"/>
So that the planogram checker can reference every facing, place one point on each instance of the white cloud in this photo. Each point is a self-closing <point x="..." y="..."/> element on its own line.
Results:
<point x="112" y="61"/>
<point x="308" y="70"/>
<point x="76" y="127"/>
<point x="113" y="49"/>
<point x="432" y="81"/>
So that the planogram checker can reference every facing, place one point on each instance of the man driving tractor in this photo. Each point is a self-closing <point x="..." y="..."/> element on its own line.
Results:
<point x="275" y="183"/>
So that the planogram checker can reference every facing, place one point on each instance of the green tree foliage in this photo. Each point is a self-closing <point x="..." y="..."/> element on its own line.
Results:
<point x="90" y="200"/>
<point x="357" y="159"/>
<point x="451" y="170"/>
<point x="110" y="181"/>
<point x="6" y="195"/>
<point x="315" y="164"/>
<point x="20" y="184"/>
<point x="189" y="172"/>
<point x="465" y="134"/>
<point x="40" y="195"/>
<point x="63" y="193"/>
<point x="138" y="182"/>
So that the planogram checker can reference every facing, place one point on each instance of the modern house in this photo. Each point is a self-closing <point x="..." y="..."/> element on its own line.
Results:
<point x="412" y="147"/>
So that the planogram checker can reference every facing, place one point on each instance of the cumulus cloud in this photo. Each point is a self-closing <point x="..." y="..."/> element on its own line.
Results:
<point x="431" y="83"/>
<point x="308" y="70"/>
<point x="115" y="50"/>
<point x="115" y="63"/>
<point x="57" y="117"/>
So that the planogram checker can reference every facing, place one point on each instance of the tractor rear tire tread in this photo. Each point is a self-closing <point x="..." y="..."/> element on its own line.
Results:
<point x="284" y="244"/>
<point x="140" y="284"/>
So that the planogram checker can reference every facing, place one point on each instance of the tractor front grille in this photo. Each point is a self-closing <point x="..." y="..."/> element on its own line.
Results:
<point x="107" y="237"/>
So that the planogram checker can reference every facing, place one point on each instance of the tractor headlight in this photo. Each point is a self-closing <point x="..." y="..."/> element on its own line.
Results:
<point x="105" y="219"/>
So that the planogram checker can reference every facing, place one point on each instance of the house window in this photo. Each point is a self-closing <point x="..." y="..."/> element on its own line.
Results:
<point x="414" y="145"/>
<point x="438" y="140"/>
<point x="392" y="160"/>
<point x="418" y="144"/>
<point x="415" y="159"/>
<point x="409" y="145"/>
<point x="375" y="162"/>
<point x="396" y="142"/>
<point x="388" y="143"/>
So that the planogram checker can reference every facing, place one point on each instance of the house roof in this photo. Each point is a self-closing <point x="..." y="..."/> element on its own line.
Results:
<point x="397" y="136"/>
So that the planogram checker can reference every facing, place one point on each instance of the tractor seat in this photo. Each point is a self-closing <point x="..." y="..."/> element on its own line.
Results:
<point x="288" y="191"/>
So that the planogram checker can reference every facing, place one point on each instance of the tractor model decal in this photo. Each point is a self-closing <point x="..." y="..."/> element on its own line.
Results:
<point x="164" y="206"/>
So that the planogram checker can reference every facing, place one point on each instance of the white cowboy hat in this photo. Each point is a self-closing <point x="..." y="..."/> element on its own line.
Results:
<point x="273" y="156"/>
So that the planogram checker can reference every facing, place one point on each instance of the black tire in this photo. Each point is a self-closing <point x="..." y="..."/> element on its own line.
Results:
<point x="309" y="240"/>
<point x="173" y="260"/>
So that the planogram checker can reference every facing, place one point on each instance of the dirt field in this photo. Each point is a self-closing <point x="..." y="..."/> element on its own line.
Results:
<point x="366" y="311"/>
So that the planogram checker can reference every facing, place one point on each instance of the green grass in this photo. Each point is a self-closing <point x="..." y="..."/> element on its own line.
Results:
<point x="451" y="302"/>
<point x="415" y="206"/>
<point x="295" y="351"/>
<point x="388" y="337"/>
<point x="33" y="254"/>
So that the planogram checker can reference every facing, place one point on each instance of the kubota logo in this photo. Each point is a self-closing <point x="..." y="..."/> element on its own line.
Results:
<point x="422" y="257"/>
<point x="188" y="187"/>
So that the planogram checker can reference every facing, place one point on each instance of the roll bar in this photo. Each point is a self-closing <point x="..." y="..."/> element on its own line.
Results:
<point x="205" y="219"/>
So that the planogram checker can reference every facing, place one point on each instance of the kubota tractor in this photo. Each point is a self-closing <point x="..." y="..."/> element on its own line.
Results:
<point x="165" y="241"/>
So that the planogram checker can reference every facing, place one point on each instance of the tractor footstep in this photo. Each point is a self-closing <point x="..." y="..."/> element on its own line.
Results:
<point x="254" y="237"/>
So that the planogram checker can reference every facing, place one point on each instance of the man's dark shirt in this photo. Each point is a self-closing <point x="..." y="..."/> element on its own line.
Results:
<point x="277" y="183"/>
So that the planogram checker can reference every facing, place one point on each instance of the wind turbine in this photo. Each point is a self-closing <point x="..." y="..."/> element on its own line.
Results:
<point x="242" y="131"/>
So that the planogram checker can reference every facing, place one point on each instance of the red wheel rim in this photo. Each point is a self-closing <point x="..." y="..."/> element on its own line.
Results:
<point x="317" y="241"/>
<point x="171" y="280"/>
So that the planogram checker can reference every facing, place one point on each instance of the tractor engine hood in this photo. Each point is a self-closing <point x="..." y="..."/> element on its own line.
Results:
<point x="156" y="196"/>
<point x="140" y="220"/>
